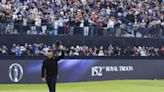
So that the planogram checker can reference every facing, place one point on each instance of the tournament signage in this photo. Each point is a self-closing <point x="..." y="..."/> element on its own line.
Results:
<point x="99" y="70"/>
<point x="28" y="71"/>
<point x="15" y="72"/>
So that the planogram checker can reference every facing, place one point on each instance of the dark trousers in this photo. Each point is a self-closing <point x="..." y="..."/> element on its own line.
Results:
<point x="51" y="82"/>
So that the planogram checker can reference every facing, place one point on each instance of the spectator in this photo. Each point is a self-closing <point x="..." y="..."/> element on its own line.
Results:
<point x="161" y="52"/>
<point x="4" y="50"/>
<point x="41" y="49"/>
<point x="142" y="51"/>
<point x="135" y="29"/>
<point x="101" y="52"/>
<point x="88" y="13"/>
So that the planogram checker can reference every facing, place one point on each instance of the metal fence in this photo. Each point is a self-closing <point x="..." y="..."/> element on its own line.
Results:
<point x="91" y="30"/>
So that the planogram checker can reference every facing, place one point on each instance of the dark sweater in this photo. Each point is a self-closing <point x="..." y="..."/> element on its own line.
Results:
<point x="50" y="66"/>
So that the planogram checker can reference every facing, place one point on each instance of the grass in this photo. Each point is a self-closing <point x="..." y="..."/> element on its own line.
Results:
<point x="104" y="86"/>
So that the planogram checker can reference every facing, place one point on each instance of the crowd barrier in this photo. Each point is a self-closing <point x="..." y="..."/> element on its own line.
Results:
<point x="88" y="30"/>
<point x="27" y="70"/>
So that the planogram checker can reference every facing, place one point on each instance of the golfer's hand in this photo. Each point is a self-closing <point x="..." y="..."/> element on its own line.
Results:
<point x="43" y="79"/>
<point x="61" y="47"/>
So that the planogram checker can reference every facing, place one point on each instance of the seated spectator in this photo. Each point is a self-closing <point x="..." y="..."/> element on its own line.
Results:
<point x="41" y="49"/>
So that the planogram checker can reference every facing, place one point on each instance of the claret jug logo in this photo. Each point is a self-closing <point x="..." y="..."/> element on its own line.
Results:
<point x="15" y="72"/>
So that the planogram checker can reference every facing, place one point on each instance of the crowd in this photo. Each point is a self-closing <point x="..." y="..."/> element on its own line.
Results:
<point x="87" y="17"/>
<point x="41" y="49"/>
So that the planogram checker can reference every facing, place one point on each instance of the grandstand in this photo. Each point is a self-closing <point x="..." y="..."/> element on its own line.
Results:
<point x="83" y="17"/>
<point x="102" y="40"/>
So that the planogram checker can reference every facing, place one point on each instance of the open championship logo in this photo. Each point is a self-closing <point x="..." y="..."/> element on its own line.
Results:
<point x="15" y="72"/>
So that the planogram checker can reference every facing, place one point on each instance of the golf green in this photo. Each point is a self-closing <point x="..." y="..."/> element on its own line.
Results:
<point x="103" y="86"/>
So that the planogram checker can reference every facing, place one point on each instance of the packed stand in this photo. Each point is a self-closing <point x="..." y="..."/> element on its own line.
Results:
<point x="42" y="49"/>
<point x="83" y="17"/>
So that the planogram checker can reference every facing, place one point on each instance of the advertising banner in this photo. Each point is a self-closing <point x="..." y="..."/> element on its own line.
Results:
<point x="26" y="71"/>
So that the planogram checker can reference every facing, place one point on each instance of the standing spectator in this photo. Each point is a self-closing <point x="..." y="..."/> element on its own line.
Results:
<point x="110" y="26"/>
<point x="38" y="23"/>
<point x="135" y="29"/>
<point x="86" y="28"/>
<point x="25" y="26"/>
<point x="161" y="51"/>
<point x="55" y="29"/>
<point x="143" y="28"/>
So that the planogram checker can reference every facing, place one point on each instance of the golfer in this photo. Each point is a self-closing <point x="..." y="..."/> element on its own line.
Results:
<point x="50" y="69"/>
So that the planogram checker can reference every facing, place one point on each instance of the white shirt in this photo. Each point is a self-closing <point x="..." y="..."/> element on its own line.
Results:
<point x="55" y="24"/>
<point x="61" y="22"/>
<point x="38" y="22"/>
<point x="110" y="24"/>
